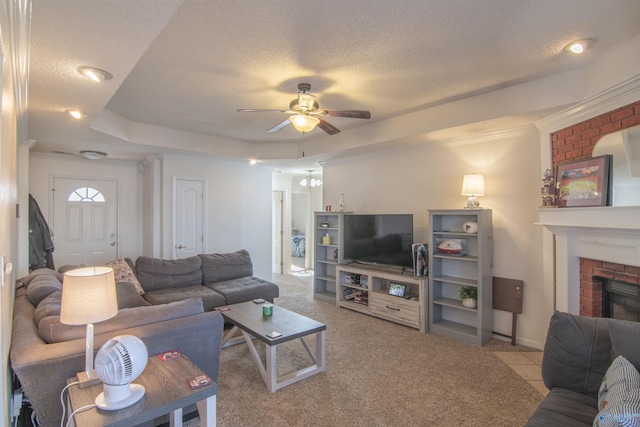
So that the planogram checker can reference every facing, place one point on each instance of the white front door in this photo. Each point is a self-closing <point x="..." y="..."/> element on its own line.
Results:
<point x="189" y="217"/>
<point x="277" y="233"/>
<point x="85" y="221"/>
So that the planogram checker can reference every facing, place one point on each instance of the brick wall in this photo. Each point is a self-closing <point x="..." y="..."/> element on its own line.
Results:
<point x="591" y="274"/>
<point x="576" y="142"/>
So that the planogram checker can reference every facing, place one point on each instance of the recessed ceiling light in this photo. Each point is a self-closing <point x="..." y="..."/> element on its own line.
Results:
<point x="76" y="114"/>
<point x="95" y="74"/>
<point x="578" y="46"/>
<point x="93" y="155"/>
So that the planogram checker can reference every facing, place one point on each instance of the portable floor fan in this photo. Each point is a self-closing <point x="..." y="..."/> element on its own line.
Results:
<point x="118" y="362"/>
<point x="307" y="114"/>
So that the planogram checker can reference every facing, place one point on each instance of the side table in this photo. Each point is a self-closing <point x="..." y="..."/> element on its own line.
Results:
<point x="166" y="392"/>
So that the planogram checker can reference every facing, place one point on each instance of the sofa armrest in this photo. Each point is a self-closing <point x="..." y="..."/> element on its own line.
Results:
<point x="577" y="353"/>
<point x="44" y="368"/>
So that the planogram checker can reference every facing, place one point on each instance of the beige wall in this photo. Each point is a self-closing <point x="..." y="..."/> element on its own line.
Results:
<point x="430" y="177"/>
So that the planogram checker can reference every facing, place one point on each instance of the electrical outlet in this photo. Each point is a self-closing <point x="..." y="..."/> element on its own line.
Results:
<point x="16" y="403"/>
<point x="2" y="271"/>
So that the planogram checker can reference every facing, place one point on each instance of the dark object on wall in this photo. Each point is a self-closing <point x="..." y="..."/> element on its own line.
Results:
<point x="40" y="242"/>
<point x="507" y="296"/>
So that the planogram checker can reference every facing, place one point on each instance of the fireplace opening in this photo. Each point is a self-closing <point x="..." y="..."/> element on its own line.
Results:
<point x="620" y="300"/>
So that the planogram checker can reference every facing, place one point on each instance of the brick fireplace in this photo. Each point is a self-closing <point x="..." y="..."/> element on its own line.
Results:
<point x="592" y="273"/>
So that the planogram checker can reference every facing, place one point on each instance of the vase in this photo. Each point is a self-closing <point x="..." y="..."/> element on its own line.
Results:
<point x="469" y="303"/>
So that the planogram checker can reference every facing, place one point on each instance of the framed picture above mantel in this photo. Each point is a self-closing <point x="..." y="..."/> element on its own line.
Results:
<point x="584" y="182"/>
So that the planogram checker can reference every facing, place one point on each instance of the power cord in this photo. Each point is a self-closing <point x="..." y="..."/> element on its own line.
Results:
<point x="64" y="407"/>
<point x="80" y="409"/>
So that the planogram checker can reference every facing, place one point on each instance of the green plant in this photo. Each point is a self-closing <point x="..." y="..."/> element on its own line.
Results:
<point x="469" y="292"/>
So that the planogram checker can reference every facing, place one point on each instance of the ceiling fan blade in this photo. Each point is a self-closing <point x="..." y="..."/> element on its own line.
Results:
<point x="254" y="110"/>
<point x="283" y="124"/>
<point x="327" y="127"/>
<point x="352" y="114"/>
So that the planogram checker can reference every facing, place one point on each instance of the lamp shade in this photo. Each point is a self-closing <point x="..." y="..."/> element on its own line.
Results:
<point x="304" y="123"/>
<point x="88" y="296"/>
<point x="473" y="185"/>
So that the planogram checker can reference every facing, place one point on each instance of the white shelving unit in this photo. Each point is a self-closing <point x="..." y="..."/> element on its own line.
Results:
<point x="449" y="272"/>
<point x="327" y="255"/>
<point x="366" y="290"/>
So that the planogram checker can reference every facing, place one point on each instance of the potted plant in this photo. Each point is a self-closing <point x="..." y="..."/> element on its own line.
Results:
<point x="469" y="296"/>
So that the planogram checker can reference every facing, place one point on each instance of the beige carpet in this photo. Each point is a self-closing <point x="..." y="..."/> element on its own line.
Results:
<point x="378" y="374"/>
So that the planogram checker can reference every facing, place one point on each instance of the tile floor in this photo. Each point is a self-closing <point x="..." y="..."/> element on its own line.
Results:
<point x="527" y="365"/>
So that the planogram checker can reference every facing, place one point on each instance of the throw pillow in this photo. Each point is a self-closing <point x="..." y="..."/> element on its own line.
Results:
<point x="128" y="296"/>
<point x="124" y="273"/>
<point x="619" y="396"/>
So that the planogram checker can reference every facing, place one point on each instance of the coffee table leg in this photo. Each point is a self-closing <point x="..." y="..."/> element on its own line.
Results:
<point x="271" y="377"/>
<point x="320" y="351"/>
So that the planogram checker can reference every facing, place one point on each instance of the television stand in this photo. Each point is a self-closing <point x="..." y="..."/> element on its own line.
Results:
<point x="365" y="289"/>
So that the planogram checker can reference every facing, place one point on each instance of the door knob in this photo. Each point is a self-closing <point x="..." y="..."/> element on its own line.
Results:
<point x="180" y="246"/>
<point x="113" y="243"/>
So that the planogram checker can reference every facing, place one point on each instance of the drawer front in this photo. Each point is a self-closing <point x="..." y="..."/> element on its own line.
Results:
<point x="395" y="308"/>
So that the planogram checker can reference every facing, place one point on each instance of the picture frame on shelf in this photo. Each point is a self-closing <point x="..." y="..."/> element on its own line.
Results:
<point x="584" y="182"/>
<point x="397" y="289"/>
<point x="420" y="263"/>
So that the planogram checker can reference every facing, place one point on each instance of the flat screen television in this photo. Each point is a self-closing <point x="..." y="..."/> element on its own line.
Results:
<point x="379" y="239"/>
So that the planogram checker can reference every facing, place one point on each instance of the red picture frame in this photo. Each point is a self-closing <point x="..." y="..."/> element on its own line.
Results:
<point x="584" y="182"/>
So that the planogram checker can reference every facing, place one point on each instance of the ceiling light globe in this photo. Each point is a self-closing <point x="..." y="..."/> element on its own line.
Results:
<point x="304" y="123"/>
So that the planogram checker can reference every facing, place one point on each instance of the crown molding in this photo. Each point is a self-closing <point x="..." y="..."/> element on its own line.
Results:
<point x="617" y="96"/>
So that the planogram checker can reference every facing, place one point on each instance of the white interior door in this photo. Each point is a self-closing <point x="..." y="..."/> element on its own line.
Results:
<point x="189" y="218"/>
<point x="85" y="221"/>
<point x="277" y="232"/>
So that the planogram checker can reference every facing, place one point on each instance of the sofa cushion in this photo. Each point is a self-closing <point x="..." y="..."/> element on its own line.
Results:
<point x="124" y="273"/>
<point x="625" y="337"/>
<point x="210" y="298"/>
<point x="565" y="408"/>
<point x="154" y="273"/>
<point x="245" y="289"/>
<point x="219" y="267"/>
<point x="24" y="281"/>
<point x="577" y="353"/>
<point x="128" y="297"/>
<point x="43" y="284"/>
<point x="51" y="330"/>
<point x="619" y="398"/>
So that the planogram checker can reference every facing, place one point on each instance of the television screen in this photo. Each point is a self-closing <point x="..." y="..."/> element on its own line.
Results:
<point x="379" y="239"/>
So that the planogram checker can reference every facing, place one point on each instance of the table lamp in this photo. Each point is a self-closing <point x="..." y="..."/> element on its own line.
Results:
<point x="473" y="186"/>
<point x="88" y="297"/>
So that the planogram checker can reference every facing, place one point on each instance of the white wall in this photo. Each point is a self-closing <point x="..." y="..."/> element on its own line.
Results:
<point x="238" y="207"/>
<point x="43" y="168"/>
<point x="429" y="176"/>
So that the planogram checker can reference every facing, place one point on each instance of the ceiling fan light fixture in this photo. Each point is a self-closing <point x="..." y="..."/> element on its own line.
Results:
<point x="310" y="182"/>
<point x="93" y="155"/>
<point x="95" y="74"/>
<point x="304" y="123"/>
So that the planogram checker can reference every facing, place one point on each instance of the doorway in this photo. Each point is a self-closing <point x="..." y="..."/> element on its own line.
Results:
<point x="85" y="221"/>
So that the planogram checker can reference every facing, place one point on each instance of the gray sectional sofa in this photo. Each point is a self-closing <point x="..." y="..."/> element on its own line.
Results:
<point x="175" y="312"/>
<point x="578" y="353"/>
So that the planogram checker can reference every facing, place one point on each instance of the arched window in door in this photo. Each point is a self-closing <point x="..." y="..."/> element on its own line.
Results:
<point x="85" y="194"/>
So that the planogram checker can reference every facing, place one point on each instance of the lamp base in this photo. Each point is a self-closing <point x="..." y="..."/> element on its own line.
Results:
<point x="472" y="203"/>
<point x="85" y="381"/>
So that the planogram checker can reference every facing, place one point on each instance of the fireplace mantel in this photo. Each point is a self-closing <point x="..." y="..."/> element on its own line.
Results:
<point x="607" y="233"/>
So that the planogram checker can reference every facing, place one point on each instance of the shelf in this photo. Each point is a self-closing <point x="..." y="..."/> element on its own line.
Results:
<point x="351" y="285"/>
<point x="453" y="303"/>
<point x="327" y="261"/>
<point x="325" y="296"/>
<point x="468" y="258"/>
<point x="456" y="280"/>
<point x="456" y="327"/>
<point x="355" y="306"/>
<point x="327" y="278"/>
<point x="454" y="233"/>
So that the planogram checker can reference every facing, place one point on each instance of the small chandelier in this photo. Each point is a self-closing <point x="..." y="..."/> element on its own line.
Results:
<point x="310" y="182"/>
<point x="304" y="123"/>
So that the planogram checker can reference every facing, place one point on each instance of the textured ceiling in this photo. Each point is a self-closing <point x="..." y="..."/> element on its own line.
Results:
<point x="189" y="65"/>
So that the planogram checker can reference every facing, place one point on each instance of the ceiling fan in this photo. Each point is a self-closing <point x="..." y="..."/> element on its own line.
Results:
<point x="307" y="114"/>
